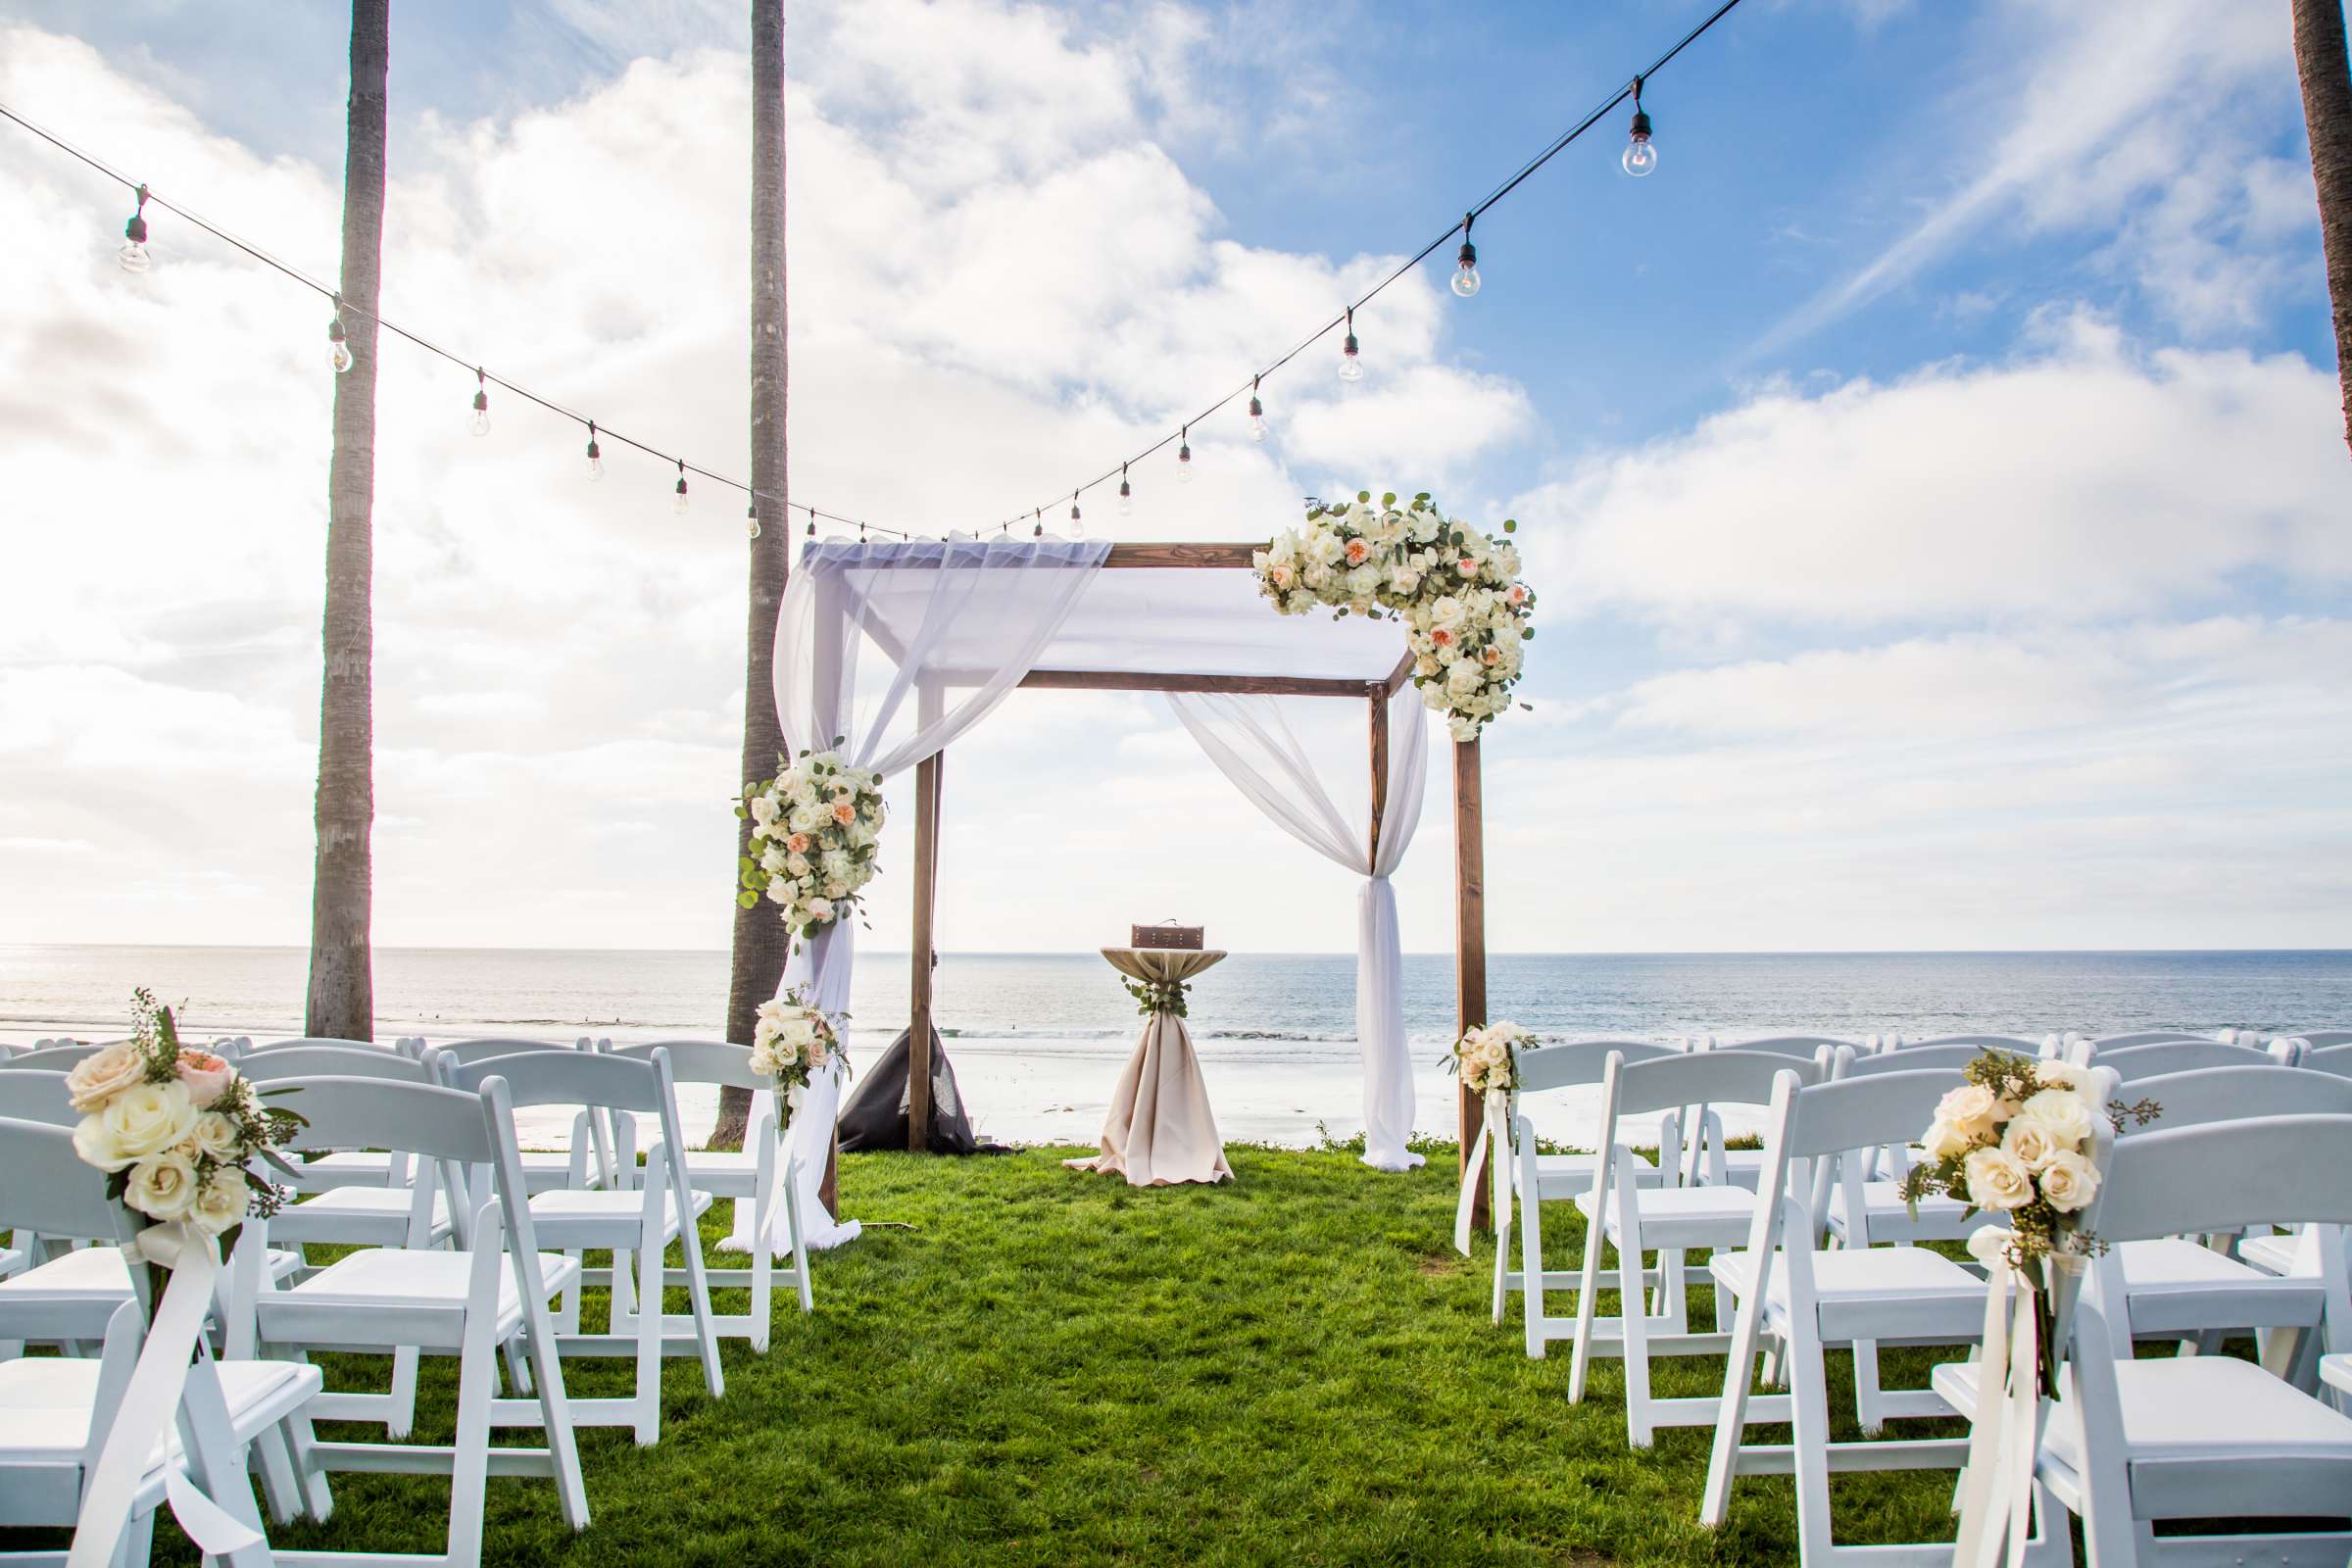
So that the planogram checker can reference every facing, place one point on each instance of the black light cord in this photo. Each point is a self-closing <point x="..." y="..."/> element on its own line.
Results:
<point x="596" y="428"/>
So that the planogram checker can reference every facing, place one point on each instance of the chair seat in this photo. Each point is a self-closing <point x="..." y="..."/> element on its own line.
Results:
<point x="1879" y="1292"/>
<point x="45" y="1405"/>
<point x="354" y="1168"/>
<point x="356" y="1214"/>
<point x="400" y="1280"/>
<point x="100" y="1274"/>
<point x="2278" y="1253"/>
<point x="597" y="1218"/>
<point x="1566" y="1175"/>
<point x="1684" y="1216"/>
<point x="1940" y="1219"/>
<point x="10" y="1261"/>
<point x="1741" y="1167"/>
<point x="726" y="1172"/>
<point x="2199" y="1409"/>
<point x="2179" y="1286"/>
<point x="2337" y="1371"/>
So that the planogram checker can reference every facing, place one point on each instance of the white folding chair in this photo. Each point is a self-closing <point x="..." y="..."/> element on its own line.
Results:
<point x="2326" y="1051"/>
<point x="1810" y="1300"/>
<point x="1538" y="1177"/>
<point x="635" y="1222"/>
<point x="474" y="1302"/>
<point x="2136" y="1441"/>
<point x="1669" y="1220"/>
<point x="759" y="1173"/>
<point x="56" y="1412"/>
<point x="2132" y="1063"/>
<point x="1710" y="1158"/>
<point x="62" y="1055"/>
<point x="2009" y="1045"/>
<point x="587" y="1160"/>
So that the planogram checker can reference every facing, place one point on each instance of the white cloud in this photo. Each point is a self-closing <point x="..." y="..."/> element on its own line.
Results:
<point x="2078" y="482"/>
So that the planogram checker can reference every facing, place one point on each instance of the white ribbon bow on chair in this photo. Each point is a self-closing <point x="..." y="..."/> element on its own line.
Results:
<point x="175" y="1364"/>
<point x="2003" y="1442"/>
<point x="1495" y="1125"/>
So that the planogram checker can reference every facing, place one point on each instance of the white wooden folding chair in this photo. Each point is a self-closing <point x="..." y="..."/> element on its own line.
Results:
<point x="2136" y="1442"/>
<point x="1538" y="1177"/>
<point x="2008" y="1045"/>
<point x="1811" y="1301"/>
<point x="62" y="1057"/>
<point x="2145" y="1037"/>
<point x="56" y="1411"/>
<point x="2132" y="1063"/>
<point x="1873" y="1211"/>
<point x="1668" y="1219"/>
<point x="635" y="1221"/>
<point x="762" y="1173"/>
<point x="1709" y="1155"/>
<point x="491" y="1295"/>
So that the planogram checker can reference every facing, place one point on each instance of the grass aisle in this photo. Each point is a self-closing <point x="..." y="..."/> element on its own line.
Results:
<point x="1052" y="1369"/>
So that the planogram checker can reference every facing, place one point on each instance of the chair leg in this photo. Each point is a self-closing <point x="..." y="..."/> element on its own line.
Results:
<point x="648" y="1425"/>
<point x="800" y="1245"/>
<point x="1731" y="1420"/>
<point x="1535" y="1305"/>
<point x="470" y="1467"/>
<point x="280" y="1489"/>
<point x="1636" y="1322"/>
<point x="1870" y="1405"/>
<point x="1587" y="1289"/>
<point x="402" y="1419"/>
<point x="554" y="1412"/>
<point x="1809" y="1439"/>
<point x="318" y="1500"/>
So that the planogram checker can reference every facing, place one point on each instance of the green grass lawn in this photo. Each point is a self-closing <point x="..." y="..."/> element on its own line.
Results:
<point x="1052" y="1368"/>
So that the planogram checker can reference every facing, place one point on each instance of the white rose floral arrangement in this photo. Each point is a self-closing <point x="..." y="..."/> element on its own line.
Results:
<point x="1484" y="1059"/>
<point x="1457" y="590"/>
<point x="175" y="1127"/>
<point x="792" y="1040"/>
<point x="815" y="831"/>
<point x="2017" y="1140"/>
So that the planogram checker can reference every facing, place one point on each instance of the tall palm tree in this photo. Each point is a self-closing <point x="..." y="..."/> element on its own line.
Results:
<point x="756" y="965"/>
<point x="342" y="989"/>
<point x="2327" y="79"/>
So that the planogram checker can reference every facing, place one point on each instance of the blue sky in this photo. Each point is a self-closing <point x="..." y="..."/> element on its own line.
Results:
<point x="1929" y="473"/>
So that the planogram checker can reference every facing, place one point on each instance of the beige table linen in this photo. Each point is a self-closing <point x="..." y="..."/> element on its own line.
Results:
<point x="1161" y="1130"/>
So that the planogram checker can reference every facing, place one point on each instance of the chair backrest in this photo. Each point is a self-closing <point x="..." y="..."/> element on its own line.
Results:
<point x="1801" y="1046"/>
<point x="1703" y="1078"/>
<point x="2222" y="1094"/>
<point x="404" y="1046"/>
<point x="461" y="1052"/>
<point x="1863" y="1113"/>
<point x="571" y="1078"/>
<point x="2336" y="1058"/>
<point x="703" y="1061"/>
<point x="51" y="1191"/>
<point x="1909" y="1058"/>
<point x="2325" y="1038"/>
<point x="2146" y="1037"/>
<point x="2010" y="1043"/>
<point x="2132" y="1063"/>
<point x="60" y="1057"/>
<point x="2220" y="1175"/>
<point x="426" y="1119"/>
<point x="278" y="1063"/>
<point x="1573" y="1063"/>
<point x="32" y="1093"/>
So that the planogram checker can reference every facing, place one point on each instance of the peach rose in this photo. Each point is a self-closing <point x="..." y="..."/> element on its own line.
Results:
<point x="97" y="1079"/>
<point x="207" y="1076"/>
<point x="1357" y="552"/>
<point x="844" y="812"/>
<point x="1441" y="637"/>
<point x="1284" y="576"/>
<point x="1466" y="567"/>
<point x="1516" y="594"/>
<point x="798" y="844"/>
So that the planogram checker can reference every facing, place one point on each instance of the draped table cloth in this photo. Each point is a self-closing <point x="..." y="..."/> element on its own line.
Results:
<point x="1161" y="1129"/>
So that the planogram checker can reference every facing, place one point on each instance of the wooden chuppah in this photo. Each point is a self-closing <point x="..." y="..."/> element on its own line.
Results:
<point x="1469" y="927"/>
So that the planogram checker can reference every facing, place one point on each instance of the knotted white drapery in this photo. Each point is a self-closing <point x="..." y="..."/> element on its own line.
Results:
<point x="956" y="623"/>
<point x="1254" y="745"/>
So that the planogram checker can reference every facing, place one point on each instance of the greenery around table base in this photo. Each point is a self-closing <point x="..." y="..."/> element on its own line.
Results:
<point x="1158" y="995"/>
<point x="1294" y="1367"/>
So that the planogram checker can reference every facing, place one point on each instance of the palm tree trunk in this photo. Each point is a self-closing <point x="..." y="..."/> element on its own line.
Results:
<point x="342" y="994"/>
<point x="2327" y="79"/>
<point x="756" y="966"/>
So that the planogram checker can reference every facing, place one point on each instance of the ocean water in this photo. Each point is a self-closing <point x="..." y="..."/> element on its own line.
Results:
<point x="1036" y="1039"/>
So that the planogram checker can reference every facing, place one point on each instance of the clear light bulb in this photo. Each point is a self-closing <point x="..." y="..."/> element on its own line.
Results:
<point x="135" y="256"/>
<point x="1258" y="418"/>
<point x="1465" y="270"/>
<point x="1077" y="525"/>
<point x="1184" y="463"/>
<point x="479" y="424"/>
<point x="338" y="347"/>
<point x="1126" y="498"/>
<point x="1351" y="363"/>
<point x="1640" y="156"/>
<point x="678" y="503"/>
<point x="595" y="462"/>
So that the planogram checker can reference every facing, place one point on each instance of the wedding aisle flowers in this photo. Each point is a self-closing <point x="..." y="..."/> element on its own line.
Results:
<point x="174" y="1127"/>
<point x="1485" y="1058"/>
<point x="791" y="1042"/>
<point x="815" y="831"/>
<point x="1465" y="610"/>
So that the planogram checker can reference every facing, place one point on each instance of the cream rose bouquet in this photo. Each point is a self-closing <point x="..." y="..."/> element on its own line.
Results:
<point x="174" y="1127"/>
<point x="816" y="828"/>
<point x="792" y="1040"/>
<point x="1466" y="613"/>
<point x="2017" y="1140"/>
<point x="1484" y="1059"/>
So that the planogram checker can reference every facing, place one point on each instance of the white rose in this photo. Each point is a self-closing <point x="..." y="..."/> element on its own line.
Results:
<point x="2029" y="1143"/>
<point x="1463" y="679"/>
<point x="764" y="808"/>
<point x="772" y="861"/>
<point x="2069" y="1180"/>
<point x="163" y="1186"/>
<point x="819" y="909"/>
<point x="1365" y="581"/>
<point x="1462" y="727"/>
<point x="148" y="1118"/>
<point x="99" y="1077"/>
<point x="215" y="1135"/>
<point x="2062" y="1113"/>
<point x="1971" y="1107"/>
<point x="1323" y="548"/>
<point x="1445" y="610"/>
<point x="222" y="1202"/>
<point x="1995" y="1180"/>
<point x="796" y="864"/>
<point x="1945" y="1141"/>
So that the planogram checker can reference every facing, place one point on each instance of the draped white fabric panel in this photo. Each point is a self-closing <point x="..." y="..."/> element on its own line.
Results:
<point x="954" y="624"/>
<point x="1254" y="744"/>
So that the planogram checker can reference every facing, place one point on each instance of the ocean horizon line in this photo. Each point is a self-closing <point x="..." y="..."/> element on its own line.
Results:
<point x="1287" y="953"/>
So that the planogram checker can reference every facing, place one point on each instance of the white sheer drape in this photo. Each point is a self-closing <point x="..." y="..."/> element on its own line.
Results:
<point x="1254" y="745"/>
<point x="955" y="624"/>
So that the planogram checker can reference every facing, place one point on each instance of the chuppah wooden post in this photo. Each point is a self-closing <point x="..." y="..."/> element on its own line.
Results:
<point x="1469" y="943"/>
<point x="1379" y="704"/>
<point x="927" y="898"/>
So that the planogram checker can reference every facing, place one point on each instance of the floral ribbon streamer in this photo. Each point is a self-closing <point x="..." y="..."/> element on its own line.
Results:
<point x="1997" y="1494"/>
<point x="1495" y="1127"/>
